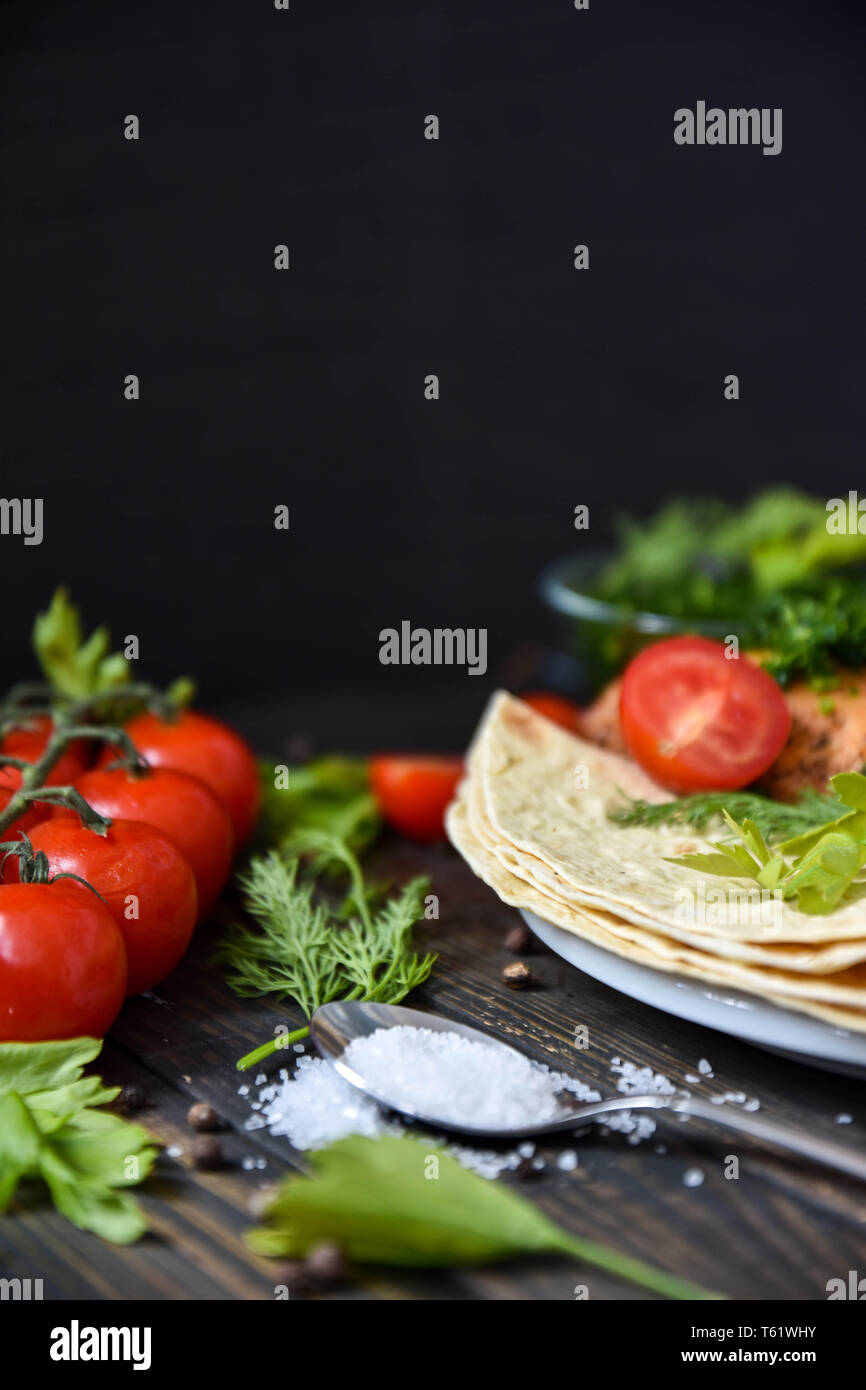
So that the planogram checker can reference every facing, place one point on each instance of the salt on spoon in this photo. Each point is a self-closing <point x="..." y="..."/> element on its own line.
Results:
<point x="459" y="1082"/>
<point x="441" y="1073"/>
<point x="346" y="1033"/>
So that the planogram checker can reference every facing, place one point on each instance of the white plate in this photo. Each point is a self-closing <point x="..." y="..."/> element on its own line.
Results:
<point x="729" y="1010"/>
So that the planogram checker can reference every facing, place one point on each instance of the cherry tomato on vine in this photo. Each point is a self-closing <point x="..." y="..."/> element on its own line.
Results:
<point x="179" y="805"/>
<point x="25" y="822"/>
<point x="62" y="963"/>
<point x="142" y="877"/>
<point x="412" y="792"/>
<point x="29" y="743"/>
<point x="208" y="749"/>
<point x="557" y="708"/>
<point x="696" y="720"/>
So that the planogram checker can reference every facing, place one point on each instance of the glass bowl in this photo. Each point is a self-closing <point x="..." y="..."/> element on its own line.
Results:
<point x="602" y="637"/>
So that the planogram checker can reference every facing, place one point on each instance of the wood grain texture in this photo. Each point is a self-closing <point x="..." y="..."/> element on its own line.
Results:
<point x="778" y="1232"/>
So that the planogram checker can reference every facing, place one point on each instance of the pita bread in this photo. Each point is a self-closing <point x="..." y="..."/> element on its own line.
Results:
<point x="532" y="819"/>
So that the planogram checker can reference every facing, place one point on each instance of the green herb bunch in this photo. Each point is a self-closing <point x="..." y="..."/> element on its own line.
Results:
<point x="769" y="571"/>
<point x="330" y="794"/>
<point x="810" y="631"/>
<point x="826" y="858"/>
<point x="301" y="948"/>
<point x="373" y="1197"/>
<point x="54" y="1127"/>
<point x="776" y="820"/>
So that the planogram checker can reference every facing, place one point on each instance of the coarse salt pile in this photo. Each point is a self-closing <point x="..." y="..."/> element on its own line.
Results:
<point x="456" y="1081"/>
<point x="441" y="1074"/>
<point x="452" y="1080"/>
<point x="642" y="1080"/>
<point x="316" y="1107"/>
<point x="635" y="1081"/>
<point x="449" y="1078"/>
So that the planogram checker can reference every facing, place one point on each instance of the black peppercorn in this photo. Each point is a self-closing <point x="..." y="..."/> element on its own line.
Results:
<point x="518" y="939"/>
<point x="206" y="1152"/>
<point x="294" y="1276"/>
<point x="202" y="1116"/>
<point x="131" y="1099"/>
<point x="325" y="1264"/>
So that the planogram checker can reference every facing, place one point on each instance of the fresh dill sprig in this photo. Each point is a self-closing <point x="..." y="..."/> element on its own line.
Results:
<point x="301" y="949"/>
<point x="376" y="954"/>
<point x="776" y="820"/>
<point x="291" y="950"/>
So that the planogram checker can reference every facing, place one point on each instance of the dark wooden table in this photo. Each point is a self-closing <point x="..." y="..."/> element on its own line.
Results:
<point x="779" y="1231"/>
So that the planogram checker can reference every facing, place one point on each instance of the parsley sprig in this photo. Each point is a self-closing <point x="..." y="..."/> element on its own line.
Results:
<point x="54" y="1127"/>
<point x="375" y="1199"/>
<point x="827" y="858"/>
<point x="330" y="793"/>
<point x="300" y="948"/>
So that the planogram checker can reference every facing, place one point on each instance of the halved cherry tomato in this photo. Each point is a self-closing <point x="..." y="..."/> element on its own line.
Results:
<point x="28" y="743"/>
<point x="142" y="877"/>
<point x="179" y="805"/>
<point x="557" y="708"/>
<point x="208" y="749"/>
<point x="62" y="963"/>
<point x="413" y="792"/>
<point x="697" y="720"/>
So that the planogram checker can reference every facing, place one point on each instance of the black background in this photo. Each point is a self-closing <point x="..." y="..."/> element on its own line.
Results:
<point x="408" y="257"/>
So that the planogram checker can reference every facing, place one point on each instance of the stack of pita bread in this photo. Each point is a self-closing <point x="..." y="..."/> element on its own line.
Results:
<point x="532" y="819"/>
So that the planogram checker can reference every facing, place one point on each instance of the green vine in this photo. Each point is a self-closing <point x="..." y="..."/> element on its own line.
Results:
<point x="68" y="725"/>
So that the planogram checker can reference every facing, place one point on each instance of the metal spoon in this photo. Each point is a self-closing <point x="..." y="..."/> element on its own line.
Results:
<point x="334" y="1026"/>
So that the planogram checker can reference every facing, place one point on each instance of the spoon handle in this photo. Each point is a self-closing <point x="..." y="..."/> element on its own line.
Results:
<point x="798" y="1141"/>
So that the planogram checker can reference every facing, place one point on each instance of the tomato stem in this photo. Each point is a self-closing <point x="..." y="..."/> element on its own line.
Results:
<point x="69" y="723"/>
<point x="71" y="720"/>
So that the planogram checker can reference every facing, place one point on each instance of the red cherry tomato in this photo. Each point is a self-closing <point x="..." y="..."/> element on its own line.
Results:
<point x="29" y="743"/>
<point x="144" y="880"/>
<point x="557" y="708"/>
<point x="62" y="963"/>
<point x="179" y="805"/>
<point x="413" y="792"/>
<point x="696" y="720"/>
<point x="208" y="749"/>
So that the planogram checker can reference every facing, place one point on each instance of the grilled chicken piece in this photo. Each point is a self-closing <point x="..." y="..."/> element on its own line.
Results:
<point x="828" y="734"/>
<point x="599" y="722"/>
